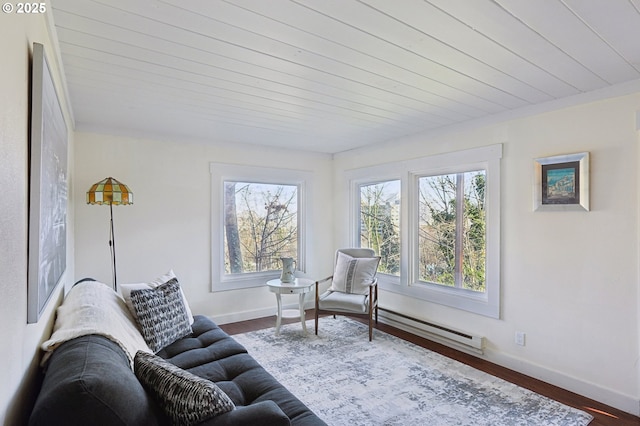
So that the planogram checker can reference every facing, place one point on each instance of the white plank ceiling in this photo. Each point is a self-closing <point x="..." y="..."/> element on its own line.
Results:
<point x="332" y="75"/>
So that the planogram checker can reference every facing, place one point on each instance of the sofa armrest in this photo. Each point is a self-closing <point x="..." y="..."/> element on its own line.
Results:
<point x="89" y="381"/>
<point x="259" y="413"/>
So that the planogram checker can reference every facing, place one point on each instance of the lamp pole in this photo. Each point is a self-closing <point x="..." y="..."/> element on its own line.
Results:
<point x="110" y="191"/>
<point x="112" y="246"/>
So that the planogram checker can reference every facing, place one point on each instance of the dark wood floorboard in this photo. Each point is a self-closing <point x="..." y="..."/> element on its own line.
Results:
<point x="603" y="414"/>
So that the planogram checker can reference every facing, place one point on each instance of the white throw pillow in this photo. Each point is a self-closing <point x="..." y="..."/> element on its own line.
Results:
<point x="125" y="291"/>
<point x="354" y="274"/>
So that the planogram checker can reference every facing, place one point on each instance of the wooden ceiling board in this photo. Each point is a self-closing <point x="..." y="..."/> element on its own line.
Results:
<point x="620" y="29"/>
<point x="363" y="43"/>
<point x="332" y="75"/>
<point x="241" y="37"/>
<point x="556" y="73"/>
<point x="155" y="96"/>
<point x="239" y="89"/>
<point x="189" y="76"/>
<point x="141" y="92"/>
<point x="445" y="79"/>
<point x="261" y="79"/>
<point x="459" y="47"/>
<point x="571" y="35"/>
<point x="203" y="127"/>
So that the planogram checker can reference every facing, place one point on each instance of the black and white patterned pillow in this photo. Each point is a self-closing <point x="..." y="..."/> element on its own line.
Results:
<point x="185" y="398"/>
<point x="161" y="314"/>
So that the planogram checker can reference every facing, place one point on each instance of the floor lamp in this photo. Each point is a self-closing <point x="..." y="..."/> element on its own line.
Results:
<point x="110" y="191"/>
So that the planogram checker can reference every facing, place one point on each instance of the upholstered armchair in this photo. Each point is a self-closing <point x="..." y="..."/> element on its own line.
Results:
<point x="354" y="287"/>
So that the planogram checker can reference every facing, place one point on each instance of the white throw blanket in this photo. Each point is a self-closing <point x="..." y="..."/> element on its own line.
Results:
<point x="94" y="308"/>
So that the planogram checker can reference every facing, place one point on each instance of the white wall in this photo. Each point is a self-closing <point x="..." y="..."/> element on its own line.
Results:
<point x="20" y="349"/>
<point x="168" y="226"/>
<point x="569" y="279"/>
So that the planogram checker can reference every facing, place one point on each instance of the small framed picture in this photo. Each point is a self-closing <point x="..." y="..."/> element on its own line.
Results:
<point x="562" y="182"/>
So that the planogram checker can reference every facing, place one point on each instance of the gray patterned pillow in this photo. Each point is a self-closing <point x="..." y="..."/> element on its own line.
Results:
<point x="161" y="314"/>
<point x="185" y="398"/>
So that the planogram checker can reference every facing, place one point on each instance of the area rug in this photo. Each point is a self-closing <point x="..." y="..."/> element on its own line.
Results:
<point x="347" y="380"/>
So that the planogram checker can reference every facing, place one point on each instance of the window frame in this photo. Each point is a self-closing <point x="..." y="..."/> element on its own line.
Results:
<point x="409" y="172"/>
<point x="222" y="172"/>
<point x="362" y="177"/>
<point x="357" y="187"/>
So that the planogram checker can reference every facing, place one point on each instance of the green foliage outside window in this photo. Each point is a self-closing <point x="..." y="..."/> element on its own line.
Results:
<point x="452" y="230"/>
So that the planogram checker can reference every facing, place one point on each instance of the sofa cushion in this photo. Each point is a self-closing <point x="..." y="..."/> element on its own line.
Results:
<point x="186" y="398"/>
<point x="161" y="314"/>
<point x="89" y="381"/>
<point x="211" y="353"/>
<point x="260" y="413"/>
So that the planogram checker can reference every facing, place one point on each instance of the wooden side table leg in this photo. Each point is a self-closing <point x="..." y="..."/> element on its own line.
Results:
<point x="279" y="316"/>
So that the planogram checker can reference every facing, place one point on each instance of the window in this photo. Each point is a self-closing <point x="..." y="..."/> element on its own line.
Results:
<point x="380" y="223"/>
<point x="257" y="217"/>
<point x="451" y="230"/>
<point x="436" y="226"/>
<point x="260" y="226"/>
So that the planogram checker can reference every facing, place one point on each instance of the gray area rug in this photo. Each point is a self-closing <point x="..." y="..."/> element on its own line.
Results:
<point x="347" y="380"/>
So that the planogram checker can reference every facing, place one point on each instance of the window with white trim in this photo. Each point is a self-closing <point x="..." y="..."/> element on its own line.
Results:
<point x="448" y="210"/>
<point x="451" y="230"/>
<point x="379" y="227"/>
<point x="260" y="226"/>
<point x="257" y="218"/>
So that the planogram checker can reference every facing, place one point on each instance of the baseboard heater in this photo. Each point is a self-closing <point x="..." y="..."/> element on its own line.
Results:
<point x="438" y="333"/>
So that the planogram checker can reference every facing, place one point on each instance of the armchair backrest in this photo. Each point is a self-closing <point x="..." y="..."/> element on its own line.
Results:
<point x="356" y="252"/>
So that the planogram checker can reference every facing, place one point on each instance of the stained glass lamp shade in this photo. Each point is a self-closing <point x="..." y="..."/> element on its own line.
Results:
<point x="110" y="191"/>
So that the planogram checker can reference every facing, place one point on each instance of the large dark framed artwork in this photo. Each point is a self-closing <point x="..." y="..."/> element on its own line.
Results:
<point x="48" y="190"/>
<point x="562" y="182"/>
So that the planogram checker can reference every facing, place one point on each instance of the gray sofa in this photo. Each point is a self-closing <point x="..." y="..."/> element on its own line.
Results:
<point x="89" y="380"/>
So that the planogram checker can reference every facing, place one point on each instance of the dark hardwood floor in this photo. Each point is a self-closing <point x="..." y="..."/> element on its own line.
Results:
<point x="603" y="414"/>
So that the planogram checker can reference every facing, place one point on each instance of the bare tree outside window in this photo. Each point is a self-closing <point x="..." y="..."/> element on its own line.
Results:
<point x="380" y="223"/>
<point x="261" y="226"/>
<point x="452" y="230"/>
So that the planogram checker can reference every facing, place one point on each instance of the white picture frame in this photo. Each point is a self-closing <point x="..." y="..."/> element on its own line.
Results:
<point x="561" y="183"/>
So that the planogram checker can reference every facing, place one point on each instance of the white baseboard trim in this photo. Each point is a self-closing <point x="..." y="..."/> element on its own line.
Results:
<point x="259" y="313"/>
<point x="601" y="394"/>
<point x="593" y="391"/>
<point x="242" y="316"/>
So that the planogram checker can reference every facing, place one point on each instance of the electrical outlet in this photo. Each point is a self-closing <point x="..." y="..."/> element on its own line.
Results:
<point x="520" y="338"/>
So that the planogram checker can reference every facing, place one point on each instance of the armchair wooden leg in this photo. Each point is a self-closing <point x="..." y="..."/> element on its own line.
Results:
<point x="316" y="321"/>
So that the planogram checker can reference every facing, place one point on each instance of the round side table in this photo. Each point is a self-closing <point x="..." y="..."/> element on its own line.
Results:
<point x="300" y="286"/>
